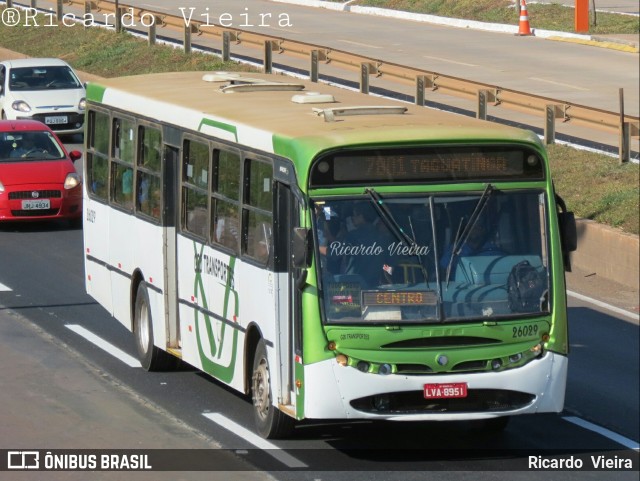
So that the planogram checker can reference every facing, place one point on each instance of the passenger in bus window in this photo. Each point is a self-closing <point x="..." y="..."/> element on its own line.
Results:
<point x="263" y="248"/>
<point x="127" y="184"/>
<point x="368" y="247"/>
<point x="143" y="194"/>
<point x="479" y="243"/>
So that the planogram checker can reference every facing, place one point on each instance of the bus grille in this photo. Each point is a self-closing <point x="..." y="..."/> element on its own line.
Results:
<point x="413" y="402"/>
<point x="441" y="342"/>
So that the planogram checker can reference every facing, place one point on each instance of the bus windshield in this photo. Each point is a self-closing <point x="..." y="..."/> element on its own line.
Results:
<point x="432" y="258"/>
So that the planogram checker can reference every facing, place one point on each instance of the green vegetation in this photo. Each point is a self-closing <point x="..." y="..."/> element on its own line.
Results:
<point x="105" y="53"/>
<point x="597" y="187"/>
<point x="593" y="185"/>
<point x="543" y="16"/>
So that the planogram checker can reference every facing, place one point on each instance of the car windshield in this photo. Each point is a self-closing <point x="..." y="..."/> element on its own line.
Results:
<point x="29" y="146"/>
<point x="437" y="258"/>
<point x="43" y="78"/>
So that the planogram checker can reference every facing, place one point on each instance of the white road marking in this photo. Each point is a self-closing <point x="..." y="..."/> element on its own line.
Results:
<point x="441" y="59"/>
<point x="4" y="288"/>
<point x="256" y="440"/>
<point x="604" y="305"/>
<point x="560" y="84"/>
<point x="359" y="44"/>
<point x="629" y="443"/>
<point x="104" y="345"/>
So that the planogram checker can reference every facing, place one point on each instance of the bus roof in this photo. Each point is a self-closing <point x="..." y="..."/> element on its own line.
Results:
<point x="257" y="110"/>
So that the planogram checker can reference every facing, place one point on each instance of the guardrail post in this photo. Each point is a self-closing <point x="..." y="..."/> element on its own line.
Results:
<point x="188" y="30"/>
<point x="485" y="96"/>
<point x="59" y="11"/>
<point x="364" y="77"/>
<point x="420" y="98"/>
<point x="9" y="4"/>
<point x="151" y="36"/>
<point x="552" y="112"/>
<point x="366" y="69"/>
<point x="624" y="151"/>
<point x="34" y="3"/>
<point x="226" y="46"/>
<point x="624" y="144"/>
<point x="269" y="47"/>
<point x="118" y="19"/>
<point x="314" y="69"/>
<point x="481" y="111"/>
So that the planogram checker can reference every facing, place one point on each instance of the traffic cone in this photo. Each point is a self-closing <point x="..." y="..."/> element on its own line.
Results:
<point x="524" y="28"/>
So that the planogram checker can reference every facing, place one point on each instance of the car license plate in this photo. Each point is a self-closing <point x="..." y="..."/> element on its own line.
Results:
<point x="450" y="390"/>
<point x="58" y="119"/>
<point x="36" y="204"/>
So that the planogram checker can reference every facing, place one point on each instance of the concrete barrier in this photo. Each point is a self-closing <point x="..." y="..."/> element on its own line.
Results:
<point x="608" y="252"/>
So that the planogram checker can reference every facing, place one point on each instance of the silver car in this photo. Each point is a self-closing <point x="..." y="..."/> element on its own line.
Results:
<point x="44" y="89"/>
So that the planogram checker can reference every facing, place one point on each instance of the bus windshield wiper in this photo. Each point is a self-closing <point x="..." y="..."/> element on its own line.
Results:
<point x="395" y="228"/>
<point x="461" y="238"/>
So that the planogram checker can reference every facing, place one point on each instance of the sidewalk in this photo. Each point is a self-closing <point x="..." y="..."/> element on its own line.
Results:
<point x="52" y="398"/>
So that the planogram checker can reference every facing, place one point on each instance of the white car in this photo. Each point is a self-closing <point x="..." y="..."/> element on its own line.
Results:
<point x="44" y="89"/>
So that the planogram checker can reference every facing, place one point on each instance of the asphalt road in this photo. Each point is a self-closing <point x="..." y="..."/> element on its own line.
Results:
<point x="42" y="267"/>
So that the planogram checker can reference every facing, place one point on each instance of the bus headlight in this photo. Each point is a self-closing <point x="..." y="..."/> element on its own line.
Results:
<point x="515" y="357"/>
<point x="385" y="369"/>
<point x="363" y="366"/>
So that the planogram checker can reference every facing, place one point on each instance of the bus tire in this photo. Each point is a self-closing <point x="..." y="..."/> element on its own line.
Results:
<point x="151" y="357"/>
<point x="271" y="423"/>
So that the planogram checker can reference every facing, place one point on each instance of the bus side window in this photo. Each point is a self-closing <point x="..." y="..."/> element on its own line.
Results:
<point x="97" y="154"/>
<point x="225" y="200"/>
<point x="257" y="211"/>
<point x="148" y="181"/>
<point x="122" y="162"/>
<point x="195" y="182"/>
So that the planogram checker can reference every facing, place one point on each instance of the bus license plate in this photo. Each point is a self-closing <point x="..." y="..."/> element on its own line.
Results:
<point x="58" y="119"/>
<point x="450" y="390"/>
<point x="36" y="204"/>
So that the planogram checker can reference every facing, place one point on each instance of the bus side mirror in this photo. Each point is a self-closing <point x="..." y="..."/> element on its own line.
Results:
<point x="301" y="247"/>
<point x="568" y="231"/>
<point x="568" y="236"/>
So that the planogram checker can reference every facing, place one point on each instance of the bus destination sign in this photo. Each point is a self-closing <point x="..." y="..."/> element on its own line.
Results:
<point x="427" y="165"/>
<point x="399" y="298"/>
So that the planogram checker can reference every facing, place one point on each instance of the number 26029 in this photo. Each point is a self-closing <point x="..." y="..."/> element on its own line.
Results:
<point x="524" y="331"/>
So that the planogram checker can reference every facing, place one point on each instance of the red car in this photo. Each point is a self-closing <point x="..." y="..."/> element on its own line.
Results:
<point x="38" y="180"/>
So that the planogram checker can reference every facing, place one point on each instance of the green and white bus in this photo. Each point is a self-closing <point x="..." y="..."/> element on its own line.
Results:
<point x="334" y="255"/>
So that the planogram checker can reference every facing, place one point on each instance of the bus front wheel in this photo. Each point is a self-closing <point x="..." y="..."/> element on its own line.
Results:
<point x="151" y="357"/>
<point x="271" y="423"/>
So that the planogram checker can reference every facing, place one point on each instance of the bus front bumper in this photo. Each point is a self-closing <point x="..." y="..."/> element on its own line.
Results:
<point x="335" y="391"/>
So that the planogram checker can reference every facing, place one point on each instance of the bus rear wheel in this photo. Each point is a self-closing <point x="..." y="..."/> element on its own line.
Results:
<point x="151" y="357"/>
<point x="271" y="423"/>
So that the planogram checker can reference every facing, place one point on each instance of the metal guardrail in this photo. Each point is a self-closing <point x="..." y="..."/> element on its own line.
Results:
<point x="549" y="109"/>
